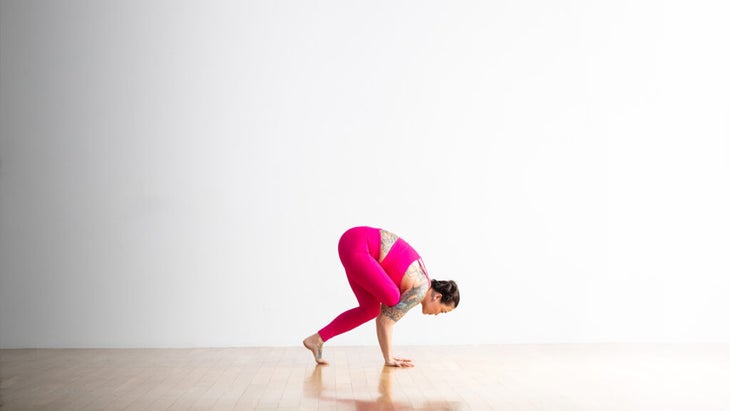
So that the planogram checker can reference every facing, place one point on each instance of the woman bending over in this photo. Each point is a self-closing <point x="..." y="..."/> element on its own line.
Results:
<point x="388" y="278"/>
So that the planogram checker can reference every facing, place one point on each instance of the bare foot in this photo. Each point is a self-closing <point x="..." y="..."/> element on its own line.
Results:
<point x="314" y="344"/>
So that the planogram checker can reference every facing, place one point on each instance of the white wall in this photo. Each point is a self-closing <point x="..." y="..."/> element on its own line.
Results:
<point x="178" y="173"/>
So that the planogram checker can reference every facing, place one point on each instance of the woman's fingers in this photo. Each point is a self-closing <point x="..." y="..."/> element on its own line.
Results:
<point x="403" y="362"/>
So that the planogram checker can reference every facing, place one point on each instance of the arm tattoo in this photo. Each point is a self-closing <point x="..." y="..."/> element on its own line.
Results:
<point x="387" y="239"/>
<point x="408" y="299"/>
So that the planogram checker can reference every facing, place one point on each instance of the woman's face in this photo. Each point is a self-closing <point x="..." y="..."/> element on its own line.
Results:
<point x="432" y="304"/>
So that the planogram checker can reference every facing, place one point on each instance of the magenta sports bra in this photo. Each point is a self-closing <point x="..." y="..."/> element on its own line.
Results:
<point x="400" y="256"/>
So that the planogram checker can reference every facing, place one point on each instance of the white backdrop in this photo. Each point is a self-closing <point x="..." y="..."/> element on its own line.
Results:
<point x="179" y="173"/>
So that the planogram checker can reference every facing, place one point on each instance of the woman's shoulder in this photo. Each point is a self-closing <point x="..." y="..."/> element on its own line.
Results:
<point x="414" y="277"/>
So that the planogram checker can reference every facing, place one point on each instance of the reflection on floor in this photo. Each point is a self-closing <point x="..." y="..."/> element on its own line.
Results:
<point x="367" y="398"/>
<point x="489" y="377"/>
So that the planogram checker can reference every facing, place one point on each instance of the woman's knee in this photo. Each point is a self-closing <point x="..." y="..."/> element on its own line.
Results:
<point x="391" y="297"/>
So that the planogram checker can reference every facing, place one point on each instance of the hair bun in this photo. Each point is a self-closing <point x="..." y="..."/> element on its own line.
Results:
<point x="449" y="291"/>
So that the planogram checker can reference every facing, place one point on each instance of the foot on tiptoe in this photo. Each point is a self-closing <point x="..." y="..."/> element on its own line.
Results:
<point x="314" y="344"/>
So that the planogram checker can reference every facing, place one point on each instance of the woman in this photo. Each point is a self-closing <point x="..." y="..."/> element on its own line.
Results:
<point x="388" y="278"/>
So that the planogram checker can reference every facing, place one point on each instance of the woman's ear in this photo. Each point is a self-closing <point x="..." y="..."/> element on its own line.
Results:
<point x="436" y="296"/>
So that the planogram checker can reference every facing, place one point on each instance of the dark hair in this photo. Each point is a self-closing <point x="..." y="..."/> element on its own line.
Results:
<point x="449" y="291"/>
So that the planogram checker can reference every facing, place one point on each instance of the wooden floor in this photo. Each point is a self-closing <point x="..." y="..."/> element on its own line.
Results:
<point x="491" y="377"/>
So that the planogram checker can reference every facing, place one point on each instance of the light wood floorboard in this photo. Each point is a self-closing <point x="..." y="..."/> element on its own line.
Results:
<point x="488" y="377"/>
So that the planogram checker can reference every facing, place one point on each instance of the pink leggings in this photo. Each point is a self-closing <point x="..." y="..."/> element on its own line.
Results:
<point x="359" y="250"/>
